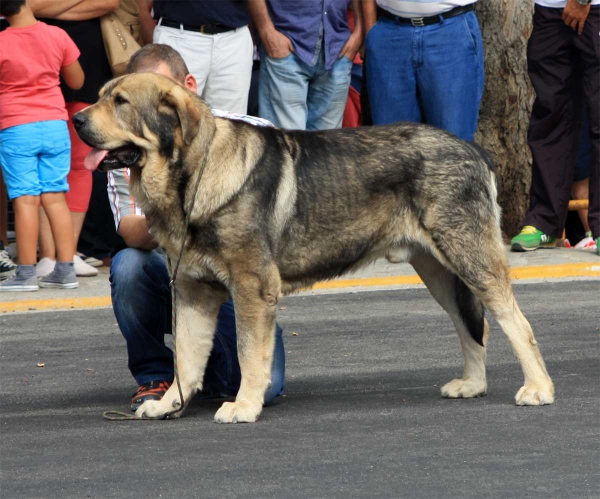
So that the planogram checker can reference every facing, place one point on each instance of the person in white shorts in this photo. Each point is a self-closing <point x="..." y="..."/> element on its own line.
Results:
<point x="214" y="40"/>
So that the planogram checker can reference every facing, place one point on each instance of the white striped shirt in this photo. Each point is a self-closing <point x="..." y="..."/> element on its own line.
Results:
<point x="558" y="4"/>
<point x="122" y="202"/>
<point x="421" y="8"/>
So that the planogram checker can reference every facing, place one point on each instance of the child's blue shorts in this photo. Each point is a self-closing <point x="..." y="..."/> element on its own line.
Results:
<point x="35" y="158"/>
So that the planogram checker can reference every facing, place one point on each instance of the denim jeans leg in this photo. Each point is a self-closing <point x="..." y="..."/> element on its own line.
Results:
<point x="223" y="375"/>
<point x="282" y="91"/>
<point x="328" y="95"/>
<point x="451" y="77"/>
<point x="277" y="369"/>
<point x="390" y="73"/>
<point x="142" y="305"/>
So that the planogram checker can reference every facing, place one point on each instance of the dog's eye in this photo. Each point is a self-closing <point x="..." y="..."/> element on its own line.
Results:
<point x="119" y="99"/>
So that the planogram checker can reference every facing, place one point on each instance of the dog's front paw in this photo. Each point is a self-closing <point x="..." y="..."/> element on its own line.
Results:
<point x="464" y="389"/>
<point x="156" y="409"/>
<point x="237" y="412"/>
<point x="535" y="395"/>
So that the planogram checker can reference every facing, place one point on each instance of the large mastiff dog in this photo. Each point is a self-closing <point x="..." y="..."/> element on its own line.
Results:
<point x="279" y="210"/>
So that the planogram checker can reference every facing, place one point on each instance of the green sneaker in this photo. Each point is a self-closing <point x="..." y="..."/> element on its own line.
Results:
<point x="531" y="239"/>
<point x="598" y="246"/>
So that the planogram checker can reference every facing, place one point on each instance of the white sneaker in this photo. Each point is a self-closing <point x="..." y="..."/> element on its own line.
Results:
<point x="588" y="243"/>
<point x="44" y="267"/>
<point x="82" y="269"/>
<point x="90" y="260"/>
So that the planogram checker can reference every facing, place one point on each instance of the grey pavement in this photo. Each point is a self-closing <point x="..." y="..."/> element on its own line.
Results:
<point x="362" y="416"/>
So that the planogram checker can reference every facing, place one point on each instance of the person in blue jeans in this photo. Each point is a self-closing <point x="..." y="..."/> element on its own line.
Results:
<point x="424" y="63"/>
<point x="305" y="61"/>
<point x="139" y="278"/>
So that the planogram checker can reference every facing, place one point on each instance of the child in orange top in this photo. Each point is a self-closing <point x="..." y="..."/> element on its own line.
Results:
<point x="35" y="148"/>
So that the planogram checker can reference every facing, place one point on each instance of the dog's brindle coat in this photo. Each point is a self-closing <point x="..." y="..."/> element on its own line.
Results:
<point x="278" y="210"/>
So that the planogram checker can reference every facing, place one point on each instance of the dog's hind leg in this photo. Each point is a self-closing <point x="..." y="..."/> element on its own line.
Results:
<point x="197" y="310"/>
<point x="467" y="314"/>
<point x="484" y="269"/>
<point x="255" y="301"/>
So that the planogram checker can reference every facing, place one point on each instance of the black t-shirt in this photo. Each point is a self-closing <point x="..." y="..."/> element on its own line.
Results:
<point x="230" y="13"/>
<point x="88" y="38"/>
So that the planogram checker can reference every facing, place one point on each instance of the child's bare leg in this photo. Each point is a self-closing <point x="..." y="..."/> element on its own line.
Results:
<point x="56" y="208"/>
<point x="78" y="218"/>
<point x="47" y="248"/>
<point x="26" y="228"/>
<point x="580" y="189"/>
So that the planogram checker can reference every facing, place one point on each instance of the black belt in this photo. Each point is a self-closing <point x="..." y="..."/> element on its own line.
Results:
<point x="206" y="29"/>
<point x="425" y="21"/>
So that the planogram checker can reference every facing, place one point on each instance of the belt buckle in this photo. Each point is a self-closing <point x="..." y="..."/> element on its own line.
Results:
<point x="417" y="21"/>
<point x="202" y="29"/>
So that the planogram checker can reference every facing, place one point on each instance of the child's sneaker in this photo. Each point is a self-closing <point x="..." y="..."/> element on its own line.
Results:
<point x="44" y="267"/>
<point x="23" y="280"/>
<point x="7" y="266"/>
<point x="530" y="239"/>
<point x="587" y="243"/>
<point x="62" y="277"/>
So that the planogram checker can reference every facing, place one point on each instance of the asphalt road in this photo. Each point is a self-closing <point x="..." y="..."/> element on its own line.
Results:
<point x="362" y="416"/>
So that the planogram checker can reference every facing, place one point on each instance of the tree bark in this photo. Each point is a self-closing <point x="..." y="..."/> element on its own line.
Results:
<point x="507" y="100"/>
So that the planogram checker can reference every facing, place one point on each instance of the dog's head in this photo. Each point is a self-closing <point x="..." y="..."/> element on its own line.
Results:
<point x="139" y="117"/>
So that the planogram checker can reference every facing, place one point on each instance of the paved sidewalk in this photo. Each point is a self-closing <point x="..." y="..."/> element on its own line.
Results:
<point x="535" y="266"/>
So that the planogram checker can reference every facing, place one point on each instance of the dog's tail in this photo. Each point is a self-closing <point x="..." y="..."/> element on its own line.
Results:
<point x="470" y="309"/>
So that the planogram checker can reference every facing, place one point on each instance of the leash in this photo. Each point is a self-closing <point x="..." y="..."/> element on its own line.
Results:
<point x="123" y="416"/>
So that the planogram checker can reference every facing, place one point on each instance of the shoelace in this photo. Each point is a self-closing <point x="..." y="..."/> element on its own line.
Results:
<point x="529" y="230"/>
<point x="4" y="256"/>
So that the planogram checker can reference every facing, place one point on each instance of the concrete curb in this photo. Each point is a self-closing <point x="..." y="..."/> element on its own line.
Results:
<point x="560" y="271"/>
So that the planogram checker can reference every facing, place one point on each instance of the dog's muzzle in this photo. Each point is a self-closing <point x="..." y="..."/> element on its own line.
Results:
<point x="102" y="159"/>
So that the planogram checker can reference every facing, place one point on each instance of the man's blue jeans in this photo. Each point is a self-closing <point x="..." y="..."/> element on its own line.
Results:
<point x="294" y="95"/>
<point x="432" y="74"/>
<point x="141" y="300"/>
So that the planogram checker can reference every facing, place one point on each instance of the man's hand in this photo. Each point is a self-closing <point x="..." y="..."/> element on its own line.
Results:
<point x="575" y="15"/>
<point x="356" y="39"/>
<point x="351" y="47"/>
<point x="276" y="44"/>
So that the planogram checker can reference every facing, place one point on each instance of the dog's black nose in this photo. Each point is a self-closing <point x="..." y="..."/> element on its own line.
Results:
<point x="79" y="120"/>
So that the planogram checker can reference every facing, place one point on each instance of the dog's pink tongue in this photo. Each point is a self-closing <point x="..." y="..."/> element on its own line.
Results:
<point x="94" y="158"/>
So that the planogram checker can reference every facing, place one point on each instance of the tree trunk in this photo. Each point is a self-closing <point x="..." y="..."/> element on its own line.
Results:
<point x="507" y="100"/>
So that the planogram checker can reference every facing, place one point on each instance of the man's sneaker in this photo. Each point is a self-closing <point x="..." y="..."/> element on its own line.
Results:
<point x="44" y="267"/>
<point x="55" y="280"/>
<point x="154" y="390"/>
<point x="531" y="239"/>
<point x="82" y="269"/>
<point x="7" y="266"/>
<point x="90" y="260"/>
<point x="20" y="282"/>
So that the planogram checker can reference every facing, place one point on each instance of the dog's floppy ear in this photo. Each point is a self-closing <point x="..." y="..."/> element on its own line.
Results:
<point x="189" y="116"/>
